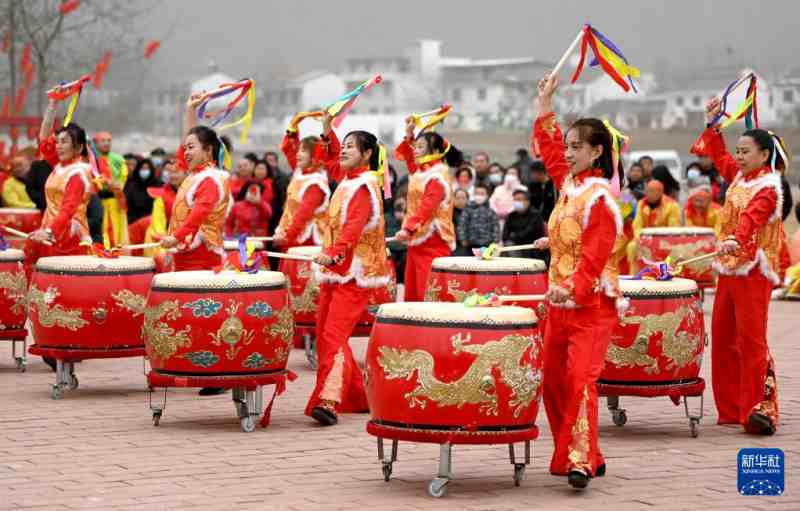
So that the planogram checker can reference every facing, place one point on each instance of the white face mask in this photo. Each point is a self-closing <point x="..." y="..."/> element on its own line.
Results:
<point x="165" y="176"/>
<point x="496" y="179"/>
<point x="512" y="181"/>
<point x="693" y="174"/>
<point x="479" y="199"/>
<point x="519" y="205"/>
<point x="157" y="161"/>
<point x="145" y="174"/>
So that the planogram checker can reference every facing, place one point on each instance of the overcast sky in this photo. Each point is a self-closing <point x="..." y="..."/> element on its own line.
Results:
<point x="259" y="37"/>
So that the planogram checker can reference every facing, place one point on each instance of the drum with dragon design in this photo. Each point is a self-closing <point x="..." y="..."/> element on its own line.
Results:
<point x="89" y="303"/>
<point x="661" y="338"/>
<point x="452" y="279"/>
<point x="443" y="367"/>
<point x="13" y="290"/>
<point x="676" y="243"/>
<point x="217" y="324"/>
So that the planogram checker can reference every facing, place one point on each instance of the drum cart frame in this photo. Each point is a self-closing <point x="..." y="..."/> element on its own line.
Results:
<point x="14" y="336"/>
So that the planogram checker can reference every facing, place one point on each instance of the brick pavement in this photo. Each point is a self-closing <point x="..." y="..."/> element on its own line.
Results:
<point x="97" y="449"/>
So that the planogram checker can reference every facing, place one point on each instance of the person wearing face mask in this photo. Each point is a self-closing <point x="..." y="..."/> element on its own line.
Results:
<point x="701" y="211"/>
<point x="393" y="218"/>
<point x="541" y="190"/>
<point x="250" y="214"/>
<point x="428" y="225"/>
<point x="157" y="156"/>
<point x="460" y="201"/>
<point x="495" y="177"/>
<point x="583" y="296"/>
<point x="502" y="199"/>
<point x="139" y="201"/>
<point x="478" y="226"/>
<point x="163" y="199"/>
<point x="656" y="209"/>
<point x="308" y="193"/>
<point x="751" y="237"/>
<point x="524" y="225"/>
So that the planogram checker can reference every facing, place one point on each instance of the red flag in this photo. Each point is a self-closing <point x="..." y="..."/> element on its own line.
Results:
<point x="29" y="76"/>
<point x="6" y="112"/>
<point x="67" y="6"/>
<point x="19" y="101"/>
<point x="151" y="49"/>
<point x="25" y="62"/>
<point x="100" y="69"/>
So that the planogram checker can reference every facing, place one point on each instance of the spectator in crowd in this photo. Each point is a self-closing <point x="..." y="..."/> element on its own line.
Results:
<point x="460" y="200"/>
<point x="158" y="156"/>
<point x="718" y="185"/>
<point x="116" y="171"/>
<point x="280" y="183"/>
<point x="480" y="163"/>
<point x="496" y="173"/>
<point x="393" y="220"/>
<point x="244" y="172"/>
<point x="636" y="181"/>
<point x="523" y="226"/>
<point x="701" y="210"/>
<point x="542" y="192"/>
<point x="502" y="200"/>
<point x="251" y="213"/>
<point x="478" y="226"/>
<point x="140" y="204"/>
<point x="34" y="185"/>
<point x="671" y="185"/>
<point x="647" y="167"/>
<point x="465" y="179"/>
<point x="262" y="174"/>
<point x="131" y="160"/>
<point x="524" y="164"/>
<point x="14" y="193"/>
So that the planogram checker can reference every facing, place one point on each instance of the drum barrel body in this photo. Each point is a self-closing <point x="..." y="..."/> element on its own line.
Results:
<point x="676" y="243"/>
<point x="96" y="308"/>
<point x="21" y="219"/>
<point x="427" y="374"/>
<point x="13" y="291"/>
<point x="661" y="338"/>
<point x="214" y="329"/>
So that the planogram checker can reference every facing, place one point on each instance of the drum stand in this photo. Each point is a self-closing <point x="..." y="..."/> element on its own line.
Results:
<point x="310" y="345"/>
<point x="15" y="336"/>
<point x="248" y="404"/>
<point x="65" y="378"/>
<point x="437" y="487"/>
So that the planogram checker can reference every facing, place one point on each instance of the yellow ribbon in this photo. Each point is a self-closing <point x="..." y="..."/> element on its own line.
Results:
<point x="247" y="118"/>
<point x="618" y="139"/>
<point x="73" y="104"/>
<point x="436" y="117"/>
<point x="422" y="160"/>
<point x="302" y="116"/>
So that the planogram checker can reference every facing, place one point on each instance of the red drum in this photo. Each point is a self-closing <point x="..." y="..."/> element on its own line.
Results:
<point x="658" y="243"/>
<point x="452" y="279"/>
<point x="662" y="336"/>
<point x="21" y="219"/>
<point x="13" y="291"/>
<point x="201" y="323"/>
<point x="89" y="303"/>
<point x="304" y="293"/>
<point x="447" y="374"/>
<point x="13" y="305"/>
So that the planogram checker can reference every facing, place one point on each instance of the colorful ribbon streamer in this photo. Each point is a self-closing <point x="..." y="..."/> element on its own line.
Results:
<point x="246" y="89"/>
<point x="654" y="271"/>
<point x="246" y="259"/>
<point x="3" y="243"/>
<point x="66" y="90"/>
<point x="340" y="108"/>
<point x="608" y="56"/>
<point x="382" y="172"/>
<point x="748" y="109"/>
<point x="619" y="142"/>
<point x="435" y="117"/>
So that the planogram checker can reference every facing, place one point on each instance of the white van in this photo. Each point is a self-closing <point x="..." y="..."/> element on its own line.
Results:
<point x="666" y="157"/>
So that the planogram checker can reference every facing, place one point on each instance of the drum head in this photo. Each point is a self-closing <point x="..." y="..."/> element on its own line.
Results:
<point x="95" y="265"/>
<point x="12" y="254"/>
<point x="455" y="313"/>
<point x="678" y="231"/>
<point x="657" y="288"/>
<point x="499" y="265"/>
<point x="222" y="281"/>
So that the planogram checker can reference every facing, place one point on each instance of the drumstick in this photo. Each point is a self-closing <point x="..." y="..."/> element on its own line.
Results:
<point x="281" y="255"/>
<point x="521" y="298"/>
<point x="139" y="246"/>
<point x="391" y="239"/>
<point x="21" y="234"/>
<point x="697" y="259"/>
<point x="260" y="238"/>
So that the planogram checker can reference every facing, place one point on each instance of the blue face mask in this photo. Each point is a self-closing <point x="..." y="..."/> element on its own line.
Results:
<point x="145" y="174"/>
<point x="157" y="161"/>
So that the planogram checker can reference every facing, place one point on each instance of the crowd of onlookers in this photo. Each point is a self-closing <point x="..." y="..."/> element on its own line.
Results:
<point x="493" y="203"/>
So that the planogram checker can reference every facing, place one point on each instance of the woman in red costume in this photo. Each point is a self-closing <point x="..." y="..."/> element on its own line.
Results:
<point x="64" y="229"/>
<point x="353" y="260"/>
<point x="583" y="284"/>
<point x="742" y="369"/>
<point x="428" y="224"/>
<point x="203" y="201"/>
<point x="308" y="193"/>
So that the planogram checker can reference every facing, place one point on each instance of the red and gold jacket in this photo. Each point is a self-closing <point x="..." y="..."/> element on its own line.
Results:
<point x="583" y="227"/>
<point x="429" y="205"/>
<point x="751" y="214"/>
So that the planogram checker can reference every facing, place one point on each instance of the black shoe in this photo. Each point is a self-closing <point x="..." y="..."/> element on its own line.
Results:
<point x="601" y="471"/>
<point x="577" y="479"/>
<point x="211" y="391"/>
<point x="51" y="362"/>
<point x="760" y="424"/>
<point x="323" y="416"/>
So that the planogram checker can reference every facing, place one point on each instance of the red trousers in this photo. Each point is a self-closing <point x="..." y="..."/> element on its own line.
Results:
<point x="338" y="375"/>
<point x="575" y="345"/>
<point x="200" y="258"/>
<point x="419" y="259"/>
<point x="742" y="372"/>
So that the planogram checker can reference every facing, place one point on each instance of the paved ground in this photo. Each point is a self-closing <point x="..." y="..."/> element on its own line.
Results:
<point x="97" y="449"/>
